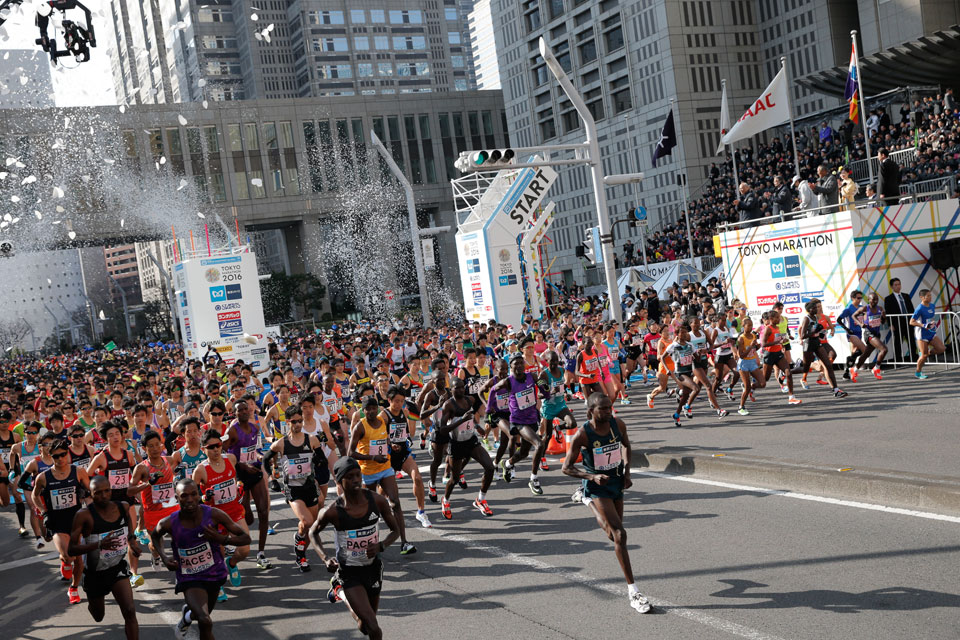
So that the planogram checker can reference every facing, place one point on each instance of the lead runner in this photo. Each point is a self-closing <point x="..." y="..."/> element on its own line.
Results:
<point x="605" y="474"/>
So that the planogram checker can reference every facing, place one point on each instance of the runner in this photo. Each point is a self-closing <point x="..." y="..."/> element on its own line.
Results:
<point x="241" y="441"/>
<point x="854" y="333"/>
<point x="303" y="465"/>
<point x="370" y="446"/>
<point x="525" y="418"/>
<point x="103" y="531"/>
<point x="702" y="344"/>
<point x="24" y="457"/>
<point x="771" y="340"/>
<point x="605" y="475"/>
<point x="8" y="439"/>
<point x="196" y="536"/>
<point x="681" y="352"/>
<point x="357" y="568"/>
<point x="870" y="318"/>
<point x="460" y="419"/>
<point x="748" y="364"/>
<point x="153" y="481"/>
<point x="190" y="455"/>
<point x="554" y="406"/>
<point x="926" y="325"/>
<point x="216" y="477"/>
<point x="401" y="432"/>
<point x="58" y="492"/>
<point x="812" y="336"/>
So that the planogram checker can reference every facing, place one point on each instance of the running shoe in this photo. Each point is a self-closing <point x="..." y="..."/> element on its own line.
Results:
<point x="624" y="400"/>
<point x="73" y="595"/>
<point x="853" y="375"/>
<point x="234" y="573"/>
<point x="486" y="444"/>
<point x="432" y="492"/>
<point x="274" y="485"/>
<point x="671" y="392"/>
<point x="222" y="596"/>
<point x="262" y="561"/>
<point x="780" y="377"/>
<point x="333" y="595"/>
<point x="649" y="401"/>
<point x="423" y="519"/>
<point x="803" y="383"/>
<point x="876" y="373"/>
<point x="156" y="563"/>
<point x="921" y="376"/>
<point x="39" y="543"/>
<point x="23" y="533"/>
<point x="577" y="496"/>
<point x="846" y="374"/>
<point x="497" y="475"/>
<point x="66" y="571"/>
<point x="183" y="625"/>
<point x="506" y="471"/>
<point x="794" y="400"/>
<point x="407" y="548"/>
<point x="722" y="413"/>
<point x="303" y="565"/>
<point x="743" y="411"/>
<point x="143" y="537"/>
<point x="423" y="440"/>
<point x="483" y="507"/>
<point x="730" y="394"/>
<point x="687" y="411"/>
<point x="535" y="487"/>
<point x="676" y="420"/>
<point x="753" y="398"/>
<point x="839" y="393"/>
<point x="446" y="510"/>
<point x="399" y="475"/>
<point x="462" y="482"/>
<point x="136" y="580"/>
<point x="639" y="602"/>
<point x="784" y="389"/>
<point x="272" y="529"/>
<point x="822" y="381"/>
<point x="543" y="465"/>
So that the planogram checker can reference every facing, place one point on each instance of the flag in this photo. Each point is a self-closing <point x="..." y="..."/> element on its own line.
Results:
<point x="851" y="90"/>
<point x="769" y="110"/>
<point x="724" y="118"/>
<point x="668" y="139"/>
<point x="110" y="346"/>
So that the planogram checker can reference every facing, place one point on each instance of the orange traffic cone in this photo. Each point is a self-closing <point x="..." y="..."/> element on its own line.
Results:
<point x="568" y="437"/>
<point x="557" y="445"/>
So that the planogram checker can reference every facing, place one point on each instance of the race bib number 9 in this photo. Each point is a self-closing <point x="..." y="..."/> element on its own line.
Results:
<point x="196" y="560"/>
<point x="298" y="468"/>
<point x="607" y="457"/>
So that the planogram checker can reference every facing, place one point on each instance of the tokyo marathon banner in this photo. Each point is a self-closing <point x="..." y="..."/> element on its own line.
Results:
<point x="218" y="299"/>
<point x="793" y="262"/>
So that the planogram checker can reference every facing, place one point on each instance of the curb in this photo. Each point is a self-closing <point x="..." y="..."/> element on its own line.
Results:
<point x="936" y="494"/>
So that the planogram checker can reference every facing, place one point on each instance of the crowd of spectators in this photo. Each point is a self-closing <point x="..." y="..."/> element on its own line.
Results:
<point x="770" y="184"/>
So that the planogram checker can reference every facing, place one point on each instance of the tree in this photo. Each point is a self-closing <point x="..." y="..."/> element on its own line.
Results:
<point x="290" y="297"/>
<point x="12" y="333"/>
<point x="156" y="319"/>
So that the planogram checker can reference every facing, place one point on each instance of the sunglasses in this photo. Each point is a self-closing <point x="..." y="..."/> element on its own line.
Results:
<point x="57" y="456"/>
<point x="46" y="444"/>
<point x="295" y="421"/>
<point x="213" y="445"/>
<point x="76" y="435"/>
<point x="31" y="433"/>
<point x="216" y="413"/>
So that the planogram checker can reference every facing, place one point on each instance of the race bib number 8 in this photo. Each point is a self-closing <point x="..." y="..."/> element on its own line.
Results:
<point x="379" y="447"/>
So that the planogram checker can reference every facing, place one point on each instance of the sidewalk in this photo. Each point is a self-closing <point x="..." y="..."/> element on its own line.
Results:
<point x="892" y="442"/>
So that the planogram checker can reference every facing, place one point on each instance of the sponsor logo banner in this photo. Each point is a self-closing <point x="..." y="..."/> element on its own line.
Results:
<point x="789" y="298"/>
<point x="763" y="301"/>
<point x="788" y="285"/>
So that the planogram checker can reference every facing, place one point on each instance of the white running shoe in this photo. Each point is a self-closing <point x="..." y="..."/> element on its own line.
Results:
<point x="424" y="520"/>
<point x="639" y="602"/>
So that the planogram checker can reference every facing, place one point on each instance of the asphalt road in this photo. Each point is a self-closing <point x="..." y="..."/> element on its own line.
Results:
<point x="719" y="561"/>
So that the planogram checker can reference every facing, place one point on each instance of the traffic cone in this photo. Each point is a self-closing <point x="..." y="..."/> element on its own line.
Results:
<point x="568" y="436"/>
<point x="557" y="445"/>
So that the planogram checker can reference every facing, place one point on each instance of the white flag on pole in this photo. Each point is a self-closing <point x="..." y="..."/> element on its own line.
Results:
<point x="724" y="118"/>
<point x="769" y="110"/>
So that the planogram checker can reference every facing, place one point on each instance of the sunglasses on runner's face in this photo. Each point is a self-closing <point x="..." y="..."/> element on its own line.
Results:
<point x="295" y="421"/>
<point x="31" y="433"/>
<point x="216" y="413"/>
<point x="57" y="456"/>
<point x="78" y="434"/>
<point x="212" y="445"/>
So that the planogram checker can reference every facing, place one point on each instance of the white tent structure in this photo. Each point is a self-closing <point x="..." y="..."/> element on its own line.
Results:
<point x="678" y="273"/>
<point x="634" y="278"/>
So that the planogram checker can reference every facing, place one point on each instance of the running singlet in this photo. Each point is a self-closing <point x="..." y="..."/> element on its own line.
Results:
<point x="224" y="488"/>
<point x="613" y="349"/>
<point x="498" y="402"/>
<point x="188" y="462"/>
<point x="103" y="559"/>
<point x="523" y="400"/>
<point x="197" y="559"/>
<point x="160" y="497"/>
<point x="603" y="454"/>
<point x="926" y="315"/>
<point x="873" y="320"/>
<point x="473" y="382"/>
<point x="397" y="428"/>
<point x="245" y="448"/>
<point x="6" y="444"/>
<point x="682" y="355"/>
<point x="375" y="442"/>
<point x="353" y="536"/>
<point x="297" y="462"/>
<point x="722" y="341"/>
<point x="589" y="367"/>
<point x="118" y="473"/>
<point x="555" y="400"/>
<point x="62" y="499"/>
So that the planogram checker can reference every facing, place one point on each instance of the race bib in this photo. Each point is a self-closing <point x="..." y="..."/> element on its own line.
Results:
<point x="525" y="398"/>
<point x="298" y="468"/>
<point x="379" y="447"/>
<point x="874" y="322"/>
<point x="109" y="557"/>
<point x="603" y="361"/>
<point x="503" y="399"/>
<point x="359" y="540"/>
<point x="591" y="364"/>
<point x="283" y="427"/>
<point x="248" y="454"/>
<point x="5" y="456"/>
<point x="225" y="491"/>
<point x="398" y="432"/>
<point x="65" y="498"/>
<point x="99" y="446"/>
<point x="614" y="352"/>
<point x="465" y="431"/>
<point x="162" y="494"/>
<point x="654" y="343"/>
<point x="119" y="478"/>
<point x="196" y="560"/>
<point x="686" y="360"/>
<point x="607" y="457"/>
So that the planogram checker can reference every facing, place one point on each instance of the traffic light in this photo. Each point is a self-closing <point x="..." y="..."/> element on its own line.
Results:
<point x="484" y="158"/>
<point x="588" y="249"/>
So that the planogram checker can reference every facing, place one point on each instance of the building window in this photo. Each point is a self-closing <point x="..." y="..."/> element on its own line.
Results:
<point x="222" y="68"/>
<point x="548" y="129"/>
<point x="385" y="68"/>
<point x="613" y="39"/>
<point x="594" y="103"/>
<point x="251" y="137"/>
<point x="357" y="16"/>
<point x="457" y="62"/>
<point x="406" y="17"/>
<point x="622" y="100"/>
<point x="453" y="37"/>
<point x="364" y="70"/>
<point x="331" y="71"/>
<point x="377" y="16"/>
<point x="409" y="43"/>
<point x="556" y="8"/>
<point x="460" y="84"/>
<point x="450" y="13"/>
<point x="382" y="43"/>
<point x="207" y="14"/>
<point x="539" y="76"/>
<point x="325" y="17"/>
<point x="330" y="44"/>
<point x="361" y="43"/>
<point x="218" y="42"/>
<point x="588" y="51"/>
<point x="233" y="137"/>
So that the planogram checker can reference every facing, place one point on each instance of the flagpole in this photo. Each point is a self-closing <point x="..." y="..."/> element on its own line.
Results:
<point x="793" y="132"/>
<point x="862" y="107"/>
<point x="730" y="149"/>
<point x="684" y="172"/>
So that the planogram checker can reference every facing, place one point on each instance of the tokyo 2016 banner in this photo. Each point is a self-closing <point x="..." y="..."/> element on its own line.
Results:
<point x="793" y="262"/>
<point x="219" y="302"/>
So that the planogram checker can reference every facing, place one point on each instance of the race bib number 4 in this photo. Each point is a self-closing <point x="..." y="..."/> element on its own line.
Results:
<point x="525" y="399"/>
<point x="196" y="560"/>
<point x="607" y="457"/>
<point x="65" y="498"/>
<point x="162" y="494"/>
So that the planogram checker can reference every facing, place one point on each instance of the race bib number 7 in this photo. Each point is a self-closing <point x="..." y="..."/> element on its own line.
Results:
<point x="607" y="457"/>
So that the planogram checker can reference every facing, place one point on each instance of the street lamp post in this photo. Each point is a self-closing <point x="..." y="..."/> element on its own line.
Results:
<point x="123" y="297"/>
<point x="171" y="295"/>
<point x="414" y="226"/>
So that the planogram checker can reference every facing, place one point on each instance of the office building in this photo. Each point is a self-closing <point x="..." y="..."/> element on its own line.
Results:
<point x="25" y="81"/>
<point x="483" y="46"/>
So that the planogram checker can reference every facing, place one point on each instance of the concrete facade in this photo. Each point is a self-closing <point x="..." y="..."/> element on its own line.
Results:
<point x="483" y="46"/>
<point x="25" y="80"/>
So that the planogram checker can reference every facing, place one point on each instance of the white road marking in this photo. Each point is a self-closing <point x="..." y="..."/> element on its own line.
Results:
<point x="804" y="496"/>
<point x="25" y="561"/>
<point x="578" y="578"/>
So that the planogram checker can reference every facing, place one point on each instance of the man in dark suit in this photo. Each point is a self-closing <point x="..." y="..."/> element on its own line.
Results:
<point x="782" y="196"/>
<point x="898" y="304"/>
<point x="888" y="182"/>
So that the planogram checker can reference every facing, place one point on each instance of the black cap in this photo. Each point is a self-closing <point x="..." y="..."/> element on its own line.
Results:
<point x="343" y="466"/>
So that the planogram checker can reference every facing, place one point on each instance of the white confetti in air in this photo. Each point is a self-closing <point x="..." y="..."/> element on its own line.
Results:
<point x="121" y="223"/>
<point x="38" y="214"/>
<point x="123" y="109"/>
<point x="157" y="165"/>
<point x="200" y="215"/>
<point x="60" y="209"/>
<point x="3" y="224"/>
<point x="57" y="221"/>
<point x="181" y="25"/>
<point x="163" y="159"/>
<point x="66" y="123"/>
<point x="183" y="184"/>
<point x="257" y="35"/>
<point x="103" y="316"/>
<point x="270" y="27"/>
<point x="201" y="83"/>
<point x="109" y="160"/>
<point x="19" y="165"/>
<point x="49" y="281"/>
<point x="266" y="36"/>
<point x="257" y="182"/>
<point x="72" y="234"/>
<point x="205" y="104"/>
<point x="58" y="192"/>
<point x="7" y="217"/>
<point x="29" y="180"/>
<point x="3" y="175"/>
<point x="183" y="121"/>
<point x="15" y="220"/>
<point x="254" y="17"/>
<point x="10" y="161"/>
<point x="14" y="198"/>
<point x="24" y="80"/>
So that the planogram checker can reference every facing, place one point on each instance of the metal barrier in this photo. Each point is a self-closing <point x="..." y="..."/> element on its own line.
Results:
<point x="898" y="328"/>
<point x="860" y="173"/>
<point x="925" y="190"/>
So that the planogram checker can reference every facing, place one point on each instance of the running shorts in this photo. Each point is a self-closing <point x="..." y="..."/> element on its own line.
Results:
<point x="612" y="490"/>
<point x="397" y="458"/>
<point x="462" y="449"/>
<point x="369" y="577"/>
<point x="773" y="357"/>
<point x="748" y="365"/>
<point x="308" y="493"/>
<point x="98" y="584"/>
